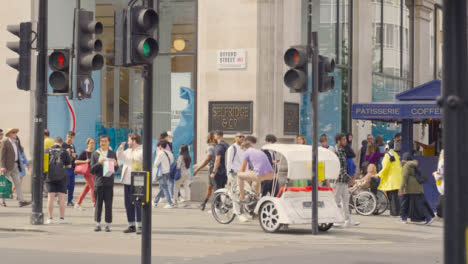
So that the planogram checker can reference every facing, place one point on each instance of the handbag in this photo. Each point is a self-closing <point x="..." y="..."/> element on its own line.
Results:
<point x="5" y="187"/>
<point x="83" y="168"/>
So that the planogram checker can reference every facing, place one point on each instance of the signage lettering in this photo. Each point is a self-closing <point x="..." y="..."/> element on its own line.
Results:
<point x="231" y="117"/>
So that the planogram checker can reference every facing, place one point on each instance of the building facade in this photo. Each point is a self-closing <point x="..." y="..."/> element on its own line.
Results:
<point x="228" y="55"/>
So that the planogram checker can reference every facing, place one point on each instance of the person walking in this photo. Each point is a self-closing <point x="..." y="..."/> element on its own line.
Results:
<point x="341" y="186"/>
<point x="132" y="159"/>
<point x="413" y="202"/>
<point x="103" y="158"/>
<point x="219" y="173"/>
<point x="56" y="182"/>
<point x="440" y="182"/>
<point x="24" y="162"/>
<point x="85" y="158"/>
<point x="209" y="160"/>
<point x="70" y="147"/>
<point x="10" y="163"/>
<point x="350" y="155"/>
<point x="163" y="162"/>
<point x="390" y="180"/>
<point x="183" y="163"/>
<point x="362" y="155"/>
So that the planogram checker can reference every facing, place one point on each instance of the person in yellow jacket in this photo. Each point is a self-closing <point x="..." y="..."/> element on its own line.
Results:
<point x="390" y="180"/>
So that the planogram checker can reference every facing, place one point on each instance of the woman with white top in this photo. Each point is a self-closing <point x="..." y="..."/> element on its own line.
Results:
<point x="163" y="162"/>
<point x="183" y="163"/>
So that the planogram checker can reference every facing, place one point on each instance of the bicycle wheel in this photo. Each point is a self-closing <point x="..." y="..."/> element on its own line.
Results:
<point x="365" y="203"/>
<point x="222" y="208"/>
<point x="382" y="203"/>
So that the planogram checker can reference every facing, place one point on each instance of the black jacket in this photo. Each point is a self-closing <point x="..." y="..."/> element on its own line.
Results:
<point x="97" y="169"/>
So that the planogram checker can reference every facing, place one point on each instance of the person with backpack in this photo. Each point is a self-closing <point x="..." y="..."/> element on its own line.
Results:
<point x="103" y="166"/>
<point x="183" y="164"/>
<point x="413" y="202"/>
<point x="132" y="159"/>
<point x="390" y="180"/>
<point x="163" y="162"/>
<point x="219" y="173"/>
<point x="234" y="156"/>
<point x="56" y="181"/>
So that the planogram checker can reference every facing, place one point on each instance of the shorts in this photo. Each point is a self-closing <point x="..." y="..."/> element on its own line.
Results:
<point x="218" y="182"/>
<point x="56" y="187"/>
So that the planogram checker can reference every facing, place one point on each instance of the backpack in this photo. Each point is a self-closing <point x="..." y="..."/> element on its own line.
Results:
<point x="420" y="176"/>
<point x="174" y="172"/>
<point x="57" y="170"/>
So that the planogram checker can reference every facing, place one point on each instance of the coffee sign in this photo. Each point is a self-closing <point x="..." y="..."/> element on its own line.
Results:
<point x="231" y="117"/>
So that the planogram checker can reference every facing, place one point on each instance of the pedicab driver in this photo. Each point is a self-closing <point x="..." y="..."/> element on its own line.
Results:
<point x="262" y="170"/>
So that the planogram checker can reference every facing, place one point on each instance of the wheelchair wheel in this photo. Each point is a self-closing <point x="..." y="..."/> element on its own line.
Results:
<point x="365" y="203"/>
<point x="382" y="203"/>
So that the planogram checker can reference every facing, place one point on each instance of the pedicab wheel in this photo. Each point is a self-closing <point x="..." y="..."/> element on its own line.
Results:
<point x="365" y="203"/>
<point x="382" y="203"/>
<point x="325" y="227"/>
<point x="269" y="217"/>
<point x="222" y="208"/>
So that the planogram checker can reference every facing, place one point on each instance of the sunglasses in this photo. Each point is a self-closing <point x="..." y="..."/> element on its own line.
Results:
<point x="240" y="136"/>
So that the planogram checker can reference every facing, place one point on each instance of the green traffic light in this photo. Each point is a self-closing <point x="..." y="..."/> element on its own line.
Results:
<point x="146" y="49"/>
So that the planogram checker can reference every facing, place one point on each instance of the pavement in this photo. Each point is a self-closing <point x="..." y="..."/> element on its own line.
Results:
<point x="193" y="236"/>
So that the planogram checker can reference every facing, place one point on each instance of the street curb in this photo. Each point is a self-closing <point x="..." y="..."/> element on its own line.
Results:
<point x="22" y="230"/>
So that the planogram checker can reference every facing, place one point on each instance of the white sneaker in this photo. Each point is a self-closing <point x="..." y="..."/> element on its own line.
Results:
<point x="79" y="207"/>
<point x="188" y="206"/>
<point x="62" y="221"/>
<point x="350" y="223"/>
<point x="169" y="206"/>
<point x="243" y="218"/>
<point x="50" y="221"/>
<point x="175" y="205"/>
<point x="402" y="222"/>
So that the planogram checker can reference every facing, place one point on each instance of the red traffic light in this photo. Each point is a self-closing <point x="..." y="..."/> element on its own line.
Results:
<point x="296" y="57"/>
<point x="59" y="60"/>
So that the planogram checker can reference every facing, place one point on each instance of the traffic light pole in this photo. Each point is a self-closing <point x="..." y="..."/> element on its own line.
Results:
<point x="455" y="110"/>
<point x="312" y="47"/>
<point x="147" y="156"/>
<point x="37" y="216"/>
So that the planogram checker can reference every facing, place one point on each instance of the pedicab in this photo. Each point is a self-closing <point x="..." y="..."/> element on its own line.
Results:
<point x="293" y="205"/>
<point x="289" y="205"/>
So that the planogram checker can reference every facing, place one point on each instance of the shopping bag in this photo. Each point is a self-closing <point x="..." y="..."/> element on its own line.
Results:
<point x="82" y="169"/>
<point x="5" y="187"/>
<point x="108" y="168"/>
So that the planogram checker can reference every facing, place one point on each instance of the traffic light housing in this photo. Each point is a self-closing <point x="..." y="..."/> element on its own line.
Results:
<point x="326" y="66"/>
<point x="134" y="43"/>
<point x="86" y="45"/>
<point x="295" y="78"/>
<point x="59" y="63"/>
<point x="23" y="48"/>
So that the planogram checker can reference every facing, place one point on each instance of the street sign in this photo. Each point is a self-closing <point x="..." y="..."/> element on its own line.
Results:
<point x="86" y="86"/>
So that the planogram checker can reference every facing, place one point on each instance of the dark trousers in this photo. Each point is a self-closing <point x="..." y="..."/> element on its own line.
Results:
<point x="70" y="184"/>
<point x="131" y="207"/>
<point x="103" y="194"/>
<point x="394" y="202"/>
<point x="440" y="206"/>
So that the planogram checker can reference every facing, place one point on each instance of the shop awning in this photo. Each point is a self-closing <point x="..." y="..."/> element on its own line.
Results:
<point x="416" y="104"/>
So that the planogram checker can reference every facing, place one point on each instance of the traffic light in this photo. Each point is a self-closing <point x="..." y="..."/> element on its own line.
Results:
<point x="296" y="77"/>
<point x="86" y="45"/>
<point x="59" y="62"/>
<point x="326" y="66"/>
<point x="134" y="43"/>
<point x="23" y="48"/>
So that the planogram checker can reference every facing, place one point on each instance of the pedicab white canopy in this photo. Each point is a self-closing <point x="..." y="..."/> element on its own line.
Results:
<point x="299" y="160"/>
